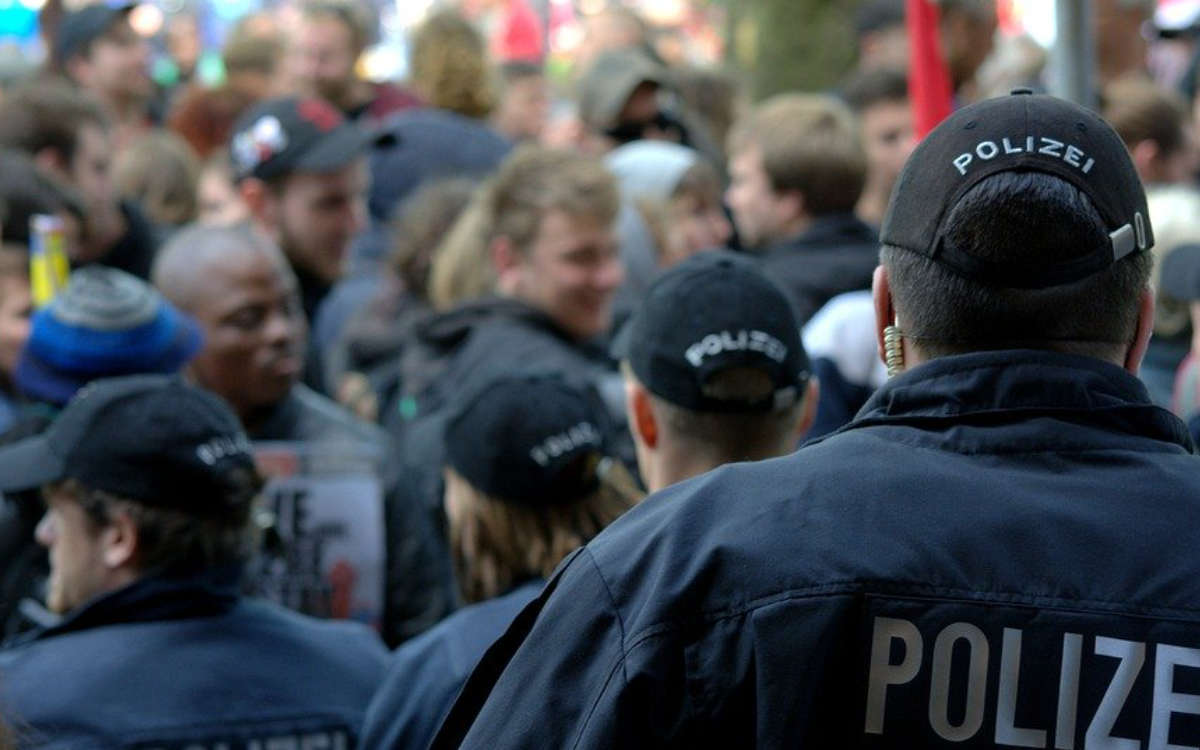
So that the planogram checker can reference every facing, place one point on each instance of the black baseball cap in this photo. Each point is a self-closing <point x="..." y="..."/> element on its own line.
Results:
<point x="294" y="134"/>
<point x="80" y="28"/>
<point x="153" y="439"/>
<point x="530" y="439"/>
<point x="715" y="311"/>
<point x="1022" y="132"/>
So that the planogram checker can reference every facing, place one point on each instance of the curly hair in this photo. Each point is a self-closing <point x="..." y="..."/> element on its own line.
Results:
<point x="450" y="66"/>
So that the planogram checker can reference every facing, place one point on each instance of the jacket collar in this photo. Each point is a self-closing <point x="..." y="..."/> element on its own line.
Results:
<point x="832" y="230"/>
<point x="448" y="330"/>
<point x="152" y="599"/>
<point x="1007" y="386"/>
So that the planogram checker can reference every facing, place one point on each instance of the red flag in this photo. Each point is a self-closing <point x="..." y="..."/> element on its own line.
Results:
<point x="929" y="87"/>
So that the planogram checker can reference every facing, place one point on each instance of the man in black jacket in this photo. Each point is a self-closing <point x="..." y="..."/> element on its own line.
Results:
<point x="245" y="297"/>
<point x="998" y="551"/>
<point x="796" y="171"/>
<point x="551" y="247"/>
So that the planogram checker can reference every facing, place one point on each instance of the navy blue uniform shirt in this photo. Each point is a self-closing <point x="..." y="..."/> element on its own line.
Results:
<point x="427" y="672"/>
<point x="1001" y="550"/>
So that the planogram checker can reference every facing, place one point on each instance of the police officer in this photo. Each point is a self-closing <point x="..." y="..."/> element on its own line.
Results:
<point x="525" y="485"/>
<point x="149" y="485"/>
<point x="714" y="370"/>
<point x="998" y="550"/>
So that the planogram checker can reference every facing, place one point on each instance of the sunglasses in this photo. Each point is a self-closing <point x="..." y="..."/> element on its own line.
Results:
<point x="627" y="132"/>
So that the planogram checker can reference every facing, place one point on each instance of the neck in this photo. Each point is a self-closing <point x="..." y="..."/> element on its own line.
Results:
<point x="793" y="228"/>
<point x="873" y="204"/>
<point x="125" y="111"/>
<point x="674" y="462"/>
<point x="356" y="94"/>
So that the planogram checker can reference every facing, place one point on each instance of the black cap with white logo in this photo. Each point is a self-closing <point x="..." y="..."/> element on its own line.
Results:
<point x="529" y="439"/>
<point x="1022" y="132"/>
<point x="713" y="312"/>
<point x="294" y="134"/>
<point x="81" y="27"/>
<point x="153" y="439"/>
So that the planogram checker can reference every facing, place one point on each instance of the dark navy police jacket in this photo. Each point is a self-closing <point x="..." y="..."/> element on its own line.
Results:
<point x="427" y="672"/>
<point x="1003" y="549"/>
<point x="176" y="664"/>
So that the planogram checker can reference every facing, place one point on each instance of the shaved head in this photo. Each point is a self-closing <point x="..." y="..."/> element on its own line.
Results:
<point x="240" y="288"/>
<point x="183" y="270"/>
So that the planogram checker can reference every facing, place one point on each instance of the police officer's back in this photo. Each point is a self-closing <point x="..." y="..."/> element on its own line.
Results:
<point x="998" y="550"/>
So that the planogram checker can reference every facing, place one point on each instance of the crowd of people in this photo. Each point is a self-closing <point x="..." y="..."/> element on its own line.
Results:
<point x="486" y="409"/>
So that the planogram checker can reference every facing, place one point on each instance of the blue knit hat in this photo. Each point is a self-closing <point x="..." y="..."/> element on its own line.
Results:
<point x="104" y="323"/>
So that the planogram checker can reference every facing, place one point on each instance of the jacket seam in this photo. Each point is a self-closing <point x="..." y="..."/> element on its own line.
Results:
<point x="621" y="655"/>
<point x="913" y="590"/>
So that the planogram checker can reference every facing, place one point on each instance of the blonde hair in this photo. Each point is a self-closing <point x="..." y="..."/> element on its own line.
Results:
<point x="450" y="66"/>
<point x="531" y="182"/>
<point x="161" y="172"/>
<point x="497" y="544"/>
<point x="810" y="144"/>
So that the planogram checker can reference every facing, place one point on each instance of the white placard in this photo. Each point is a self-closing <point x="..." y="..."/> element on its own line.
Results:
<point x="325" y="549"/>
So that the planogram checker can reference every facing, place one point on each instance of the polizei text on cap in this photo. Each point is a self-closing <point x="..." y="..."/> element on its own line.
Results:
<point x="988" y="150"/>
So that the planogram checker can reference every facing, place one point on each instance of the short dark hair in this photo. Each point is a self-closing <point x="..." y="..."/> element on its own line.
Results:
<point x="47" y="114"/>
<point x="26" y="191"/>
<point x="355" y="21"/>
<point x="173" y="542"/>
<point x="871" y="87"/>
<point x="728" y="437"/>
<point x="1016" y="217"/>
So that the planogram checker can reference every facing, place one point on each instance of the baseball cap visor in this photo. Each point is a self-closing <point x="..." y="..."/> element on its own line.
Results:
<point x="336" y="150"/>
<point x="29" y="464"/>
<point x="621" y="344"/>
<point x="80" y="27"/>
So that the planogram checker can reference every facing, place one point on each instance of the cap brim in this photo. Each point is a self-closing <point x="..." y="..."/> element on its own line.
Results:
<point x="341" y="147"/>
<point x="622" y="342"/>
<point x="28" y="464"/>
<point x="89" y="29"/>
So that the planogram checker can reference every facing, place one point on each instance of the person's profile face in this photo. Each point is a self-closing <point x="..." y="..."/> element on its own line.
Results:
<point x="319" y="215"/>
<point x="571" y="272"/>
<point x="696" y="223"/>
<point x="324" y="57"/>
<point x="91" y="168"/>
<point x="888" y="139"/>
<point x="524" y="108"/>
<point x="119" y="63"/>
<point x="751" y="199"/>
<point x="16" y="307"/>
<point x="74" y="546"/>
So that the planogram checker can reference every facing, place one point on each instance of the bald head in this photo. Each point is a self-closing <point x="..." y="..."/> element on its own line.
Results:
<point x="241" y="290"/>
<point x="189" y="265"/>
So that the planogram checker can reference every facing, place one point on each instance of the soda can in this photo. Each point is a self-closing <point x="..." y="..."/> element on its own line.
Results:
<point x="48" y="266"/>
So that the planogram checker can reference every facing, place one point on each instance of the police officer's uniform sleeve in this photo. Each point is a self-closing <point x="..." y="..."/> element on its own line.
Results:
<point x="555" y="679"/>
